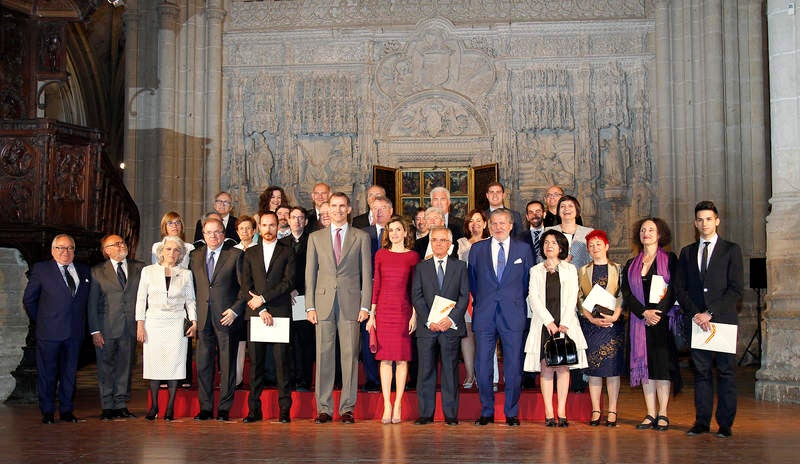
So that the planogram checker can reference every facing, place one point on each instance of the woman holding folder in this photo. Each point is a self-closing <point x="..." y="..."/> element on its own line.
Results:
<point x="648" y="295"/>
<point x="391" y="314"/>
<point x="604" y="333"/>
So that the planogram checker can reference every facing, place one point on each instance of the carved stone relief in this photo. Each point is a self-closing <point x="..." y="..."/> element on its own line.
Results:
<point x="326" y="157"/>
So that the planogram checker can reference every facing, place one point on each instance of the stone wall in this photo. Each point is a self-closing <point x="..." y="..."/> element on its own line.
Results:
<point x="13" y="320"/>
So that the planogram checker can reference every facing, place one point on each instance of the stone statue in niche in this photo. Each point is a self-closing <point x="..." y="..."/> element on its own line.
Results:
<point x="325" y="159"/>
<point x="549" y="160"/>
<point x="613" y="155"/>
<point x="259" y="161"/>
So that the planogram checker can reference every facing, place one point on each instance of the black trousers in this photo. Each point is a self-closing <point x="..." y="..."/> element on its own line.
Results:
<point x="258" y="353"/>
<point x="704" y="387"/>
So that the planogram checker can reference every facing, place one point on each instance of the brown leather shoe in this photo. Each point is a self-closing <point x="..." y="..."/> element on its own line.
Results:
<point x="322" y="418"/>
<point x="348" y="418"/>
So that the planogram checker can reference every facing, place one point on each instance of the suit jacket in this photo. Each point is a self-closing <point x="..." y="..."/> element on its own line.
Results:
<point x="525" y="236"/>
<point x="50" y="305"/>
<point x="455" y="287"/>
<point x="299" y="249"/>
<point x="723" y="284"/>
<point x="374" y="245"/>
<point x="274" y="284"/>
<point x="361" y="221"/>
<point x="230" y="230"/>
<point x="456" y="226"/>
<point x="112" y="308"/>
<point x="154" y="299"/>
<point x="351" y="280"/>
<point x="509" y="293"/>
<point x="221" y="290"/>
<point x="421" y="246"/>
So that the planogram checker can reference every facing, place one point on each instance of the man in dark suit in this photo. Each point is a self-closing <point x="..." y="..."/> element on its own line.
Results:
<point x="709" y="285"/>
<point x="365" y="220"/>
<point x="267" y="283"/>
<point x="112" y="324"/>
<point x="338" y="297"/>
<point x="447" y="277"/>
<point x="302" y="334"/>
<point x="216" y="271"/>
<point x="55" y="300"/>
<point x="440" y="198"/>
<point x="223" y="204"/>
<point x="433" y="218"/>
<point x="496" y="194"/>
<point x="498" y="278"/>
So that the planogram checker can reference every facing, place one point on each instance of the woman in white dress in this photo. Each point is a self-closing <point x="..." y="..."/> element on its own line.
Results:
<point x="165" y="297"/>
<point x="553" y="296"/>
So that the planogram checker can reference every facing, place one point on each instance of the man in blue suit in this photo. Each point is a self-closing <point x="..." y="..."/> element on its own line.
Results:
<point x="498" y="278"/>
<point x="55" y="299"/>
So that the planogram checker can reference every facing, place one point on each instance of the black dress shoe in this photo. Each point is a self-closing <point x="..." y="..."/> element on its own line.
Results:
<point x="451" y="421"/>
<point x="108" y="414"/>
<point x="68" y="417"/>
<point x="423" y="421"/>
<point x="512" y="421"/>
<point x="251" y="418"/>
<point x="123" y="413"/>
<point x="204" y="415"/>
<point x="347" y="418"/>
<point x="169" y="416"/>
<point x="152" y="414"/>
<point x="648" y="425"/>
<point x="697" y="429"/>
<point x="284" y="418"/>
<point x="724" y="432"/>
<point x="550" y="422"/>
<point x="595" y="422"/>
<point x="609" y="422"/>
<point x="48" y="418"/>
<point x="661" y="427"/>
<point x="223" y="416"/>
<point x="485" y="420"/>
<point x="322" y="418"/>
<point x="562" y="422"/>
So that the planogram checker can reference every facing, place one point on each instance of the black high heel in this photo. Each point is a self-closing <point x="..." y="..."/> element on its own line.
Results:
<point x="152" y="414"/>
<point x="550" y="422"/>
<point x="562" y="422"/>
<point x="608" y="421"/>
<point x="595" y="422"/>
<point x="169" y="415"/>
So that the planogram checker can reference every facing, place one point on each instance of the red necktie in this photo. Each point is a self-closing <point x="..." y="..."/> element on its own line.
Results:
<point x="337" y="246"/>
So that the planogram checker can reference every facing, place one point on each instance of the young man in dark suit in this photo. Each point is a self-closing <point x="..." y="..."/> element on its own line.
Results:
<point x="709" y="285"/>
<point x="447" y="277"/>
<point x="267" y="283"/>
<point x="112" y="307"/>
<point x="55" y="299"/>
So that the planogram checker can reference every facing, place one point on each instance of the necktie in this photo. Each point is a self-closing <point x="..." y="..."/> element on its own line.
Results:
<point x="704" y="260"/>
<point x="210" y="265"/>
<point x="70" y="280"/>
<point x="440" y="274"/>
<point x="380" y="237"/>
<point x="536" y="234"/>
<point x="121" y="275"/>
<point x="337" y="246"/>
<point x="501" y="261"/>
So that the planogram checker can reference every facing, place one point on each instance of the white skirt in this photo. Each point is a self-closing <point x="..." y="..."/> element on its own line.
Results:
<point x="165" y="349"/>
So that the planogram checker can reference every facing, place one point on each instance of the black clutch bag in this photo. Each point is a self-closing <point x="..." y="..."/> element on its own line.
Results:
<point x="187" y="324"/>
<point x="560" y="351"/>
<point x="598" y="312"/>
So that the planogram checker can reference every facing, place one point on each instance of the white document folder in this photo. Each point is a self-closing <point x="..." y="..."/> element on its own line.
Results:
<point x="278" y="332"/>
<point x="721" y="338"/>
<point x="299" y="308"/>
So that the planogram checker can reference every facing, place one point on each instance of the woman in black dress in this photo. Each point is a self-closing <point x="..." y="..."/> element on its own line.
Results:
<point x="654" y="360"/>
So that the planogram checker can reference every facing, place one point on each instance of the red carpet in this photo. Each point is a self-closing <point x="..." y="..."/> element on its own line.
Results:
<point x="369" y="406"/>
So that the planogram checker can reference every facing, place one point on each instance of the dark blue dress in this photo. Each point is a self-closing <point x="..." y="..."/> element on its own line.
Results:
<point x="605" y="354"/>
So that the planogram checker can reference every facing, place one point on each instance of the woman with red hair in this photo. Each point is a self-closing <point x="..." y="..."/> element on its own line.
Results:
<point x="604" y="332"/>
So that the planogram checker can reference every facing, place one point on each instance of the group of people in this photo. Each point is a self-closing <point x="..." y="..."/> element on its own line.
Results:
<point x="373" y="288"/>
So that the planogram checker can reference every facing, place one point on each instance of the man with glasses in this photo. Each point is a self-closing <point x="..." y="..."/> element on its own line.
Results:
<point x="551" y="197"/>
<point x="216" y="271"/>
<point x="55" y="300"/>
<point x="223" y="204"/>
<point x="112" y="324"/>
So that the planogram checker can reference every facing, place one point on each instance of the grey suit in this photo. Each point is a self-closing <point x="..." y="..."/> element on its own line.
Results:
<point x="337" y="293"/>
<point x="111" y="312"/>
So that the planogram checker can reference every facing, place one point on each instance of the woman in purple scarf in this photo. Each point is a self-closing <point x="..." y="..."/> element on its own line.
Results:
<point x="653" y="354"/>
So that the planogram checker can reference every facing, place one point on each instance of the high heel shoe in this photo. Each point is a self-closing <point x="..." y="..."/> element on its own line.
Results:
<point x="562" y="422"/>
<point x="608" y="419"/>
<point x="595" y="422"/>
<point x="387" y="415"/>
<point x="647" y="425"/>
<point x="468" y="383"/>
<point x="550" y="422"/>
<point x="152" y="414"/>
<point x="169" y="416"/>
<point x="397" y="416"/>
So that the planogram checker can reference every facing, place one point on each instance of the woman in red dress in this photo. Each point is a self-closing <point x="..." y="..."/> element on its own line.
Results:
<point x="392" y="313"/>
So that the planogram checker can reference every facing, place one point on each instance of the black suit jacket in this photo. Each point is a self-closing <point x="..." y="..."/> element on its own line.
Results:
<point x="361" y="221"/>
<point x="425" y="287"/>
<point x="274" y="284"/>
<point x="50" y="305"/>
<point x="373" y="240"/>
<point x="299" y="249"/>
<point x="456" y="226"/>
<point x="723" y="284"/>
<point x="221" y="290"/>
<point x="230" y="230"/>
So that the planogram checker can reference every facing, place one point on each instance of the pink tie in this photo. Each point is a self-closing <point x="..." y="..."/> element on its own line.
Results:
<point x="337" y="246"/>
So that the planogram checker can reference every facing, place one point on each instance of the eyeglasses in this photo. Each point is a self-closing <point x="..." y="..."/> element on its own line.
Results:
<point x="213" y="232"/>
<point x="440" y="240"/>
<point x="116" y="244"/>
<point x="554" y="195"/>
<point x="174" y="223"/>
<point x="62" y="249"/>
<point x="223" y="202"/>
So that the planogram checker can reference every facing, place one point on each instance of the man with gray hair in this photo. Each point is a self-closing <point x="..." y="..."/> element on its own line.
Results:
<point x="440" y="198"/>
<point x="367" y="219"/>
<point x="434" y="217"/>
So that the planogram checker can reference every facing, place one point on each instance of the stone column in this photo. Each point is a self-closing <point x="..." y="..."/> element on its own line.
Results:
<point x="215" y="13"/>
<point x="167" y="20"/>
<point x="779" y="376"/>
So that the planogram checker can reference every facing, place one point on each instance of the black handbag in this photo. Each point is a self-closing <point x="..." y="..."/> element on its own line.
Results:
<point x="187" y="324"/>
<point x="560" y="351"/>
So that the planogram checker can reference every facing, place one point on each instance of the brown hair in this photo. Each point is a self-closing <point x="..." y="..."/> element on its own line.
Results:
<point x="664" y="234"/>
<point x="409" y="241"/>
<point x="172" y="216"/>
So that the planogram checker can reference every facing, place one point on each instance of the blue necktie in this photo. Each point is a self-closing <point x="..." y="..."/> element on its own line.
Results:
<point x="440" y="274"/>
<point x="210" y="265"/>
<point x="501" y="261"/>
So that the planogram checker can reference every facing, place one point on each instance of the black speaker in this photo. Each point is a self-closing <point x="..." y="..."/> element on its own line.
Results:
<point x="758" y="272"/>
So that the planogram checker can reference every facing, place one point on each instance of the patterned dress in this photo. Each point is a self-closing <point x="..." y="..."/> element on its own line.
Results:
<point x="605" y="354"/>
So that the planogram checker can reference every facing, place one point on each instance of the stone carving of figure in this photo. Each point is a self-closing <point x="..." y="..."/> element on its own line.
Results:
<point x="612" y="159"/>
<point x="547" y="163"/>
<point x="260" y="161"/>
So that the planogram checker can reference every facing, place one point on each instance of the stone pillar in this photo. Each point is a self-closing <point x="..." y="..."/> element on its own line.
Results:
<point x="215" y="13"/>
<point x="167" y="46"/>
<point x="13" y="330"/>
<point x="779" y="376"/>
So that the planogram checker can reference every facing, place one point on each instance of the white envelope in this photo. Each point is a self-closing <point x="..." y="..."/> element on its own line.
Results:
<point x="299" y="308"/>
<point x="658" y="289"/>
<point x="440" y="308"/>
<point x="599" y="296"/>
<point x="721" y="338"/>
<point x="278" y="332"/>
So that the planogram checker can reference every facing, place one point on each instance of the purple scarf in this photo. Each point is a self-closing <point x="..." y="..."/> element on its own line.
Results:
<point x="638" y="337"/>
